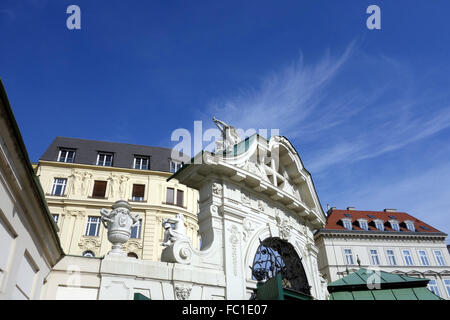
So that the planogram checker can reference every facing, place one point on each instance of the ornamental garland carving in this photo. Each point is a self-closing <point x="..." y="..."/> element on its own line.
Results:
<point x="88" y="244"/>
<point x="234" y="240"/>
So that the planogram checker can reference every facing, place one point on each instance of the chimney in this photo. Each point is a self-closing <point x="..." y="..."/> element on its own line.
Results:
<point x="351" y="208"/>
<point x="330" y="210"/>
<point x="390" y="210"/>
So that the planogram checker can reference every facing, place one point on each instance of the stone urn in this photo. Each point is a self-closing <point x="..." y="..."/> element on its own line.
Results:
<point x="119" y="222"/>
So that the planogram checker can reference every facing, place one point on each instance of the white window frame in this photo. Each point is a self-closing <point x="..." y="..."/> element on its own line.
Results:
<point x="177" y="166"/>
<point x="91" y="222"/>
<point x="393" y="261"/>
<point x="395" y="225"/>
<point x="347" y="223"/>
<point x="61" y="150"/>
<point x="141" y="158"/>
<point x="103" y="163"/>
<point x="447" y="286"/>
<point x="373" y="255"/>
<point x="363" y="224"/>
<point x="348" y="256"/>
<point x="440" y="261"/>
<point x="407" y="255"/>
<point x="432" y="285"/>
<point x="410" y="225"/>
<point x="59" y="182"/>
<point x="421" y="257"/>
<point x="379" y="224"/>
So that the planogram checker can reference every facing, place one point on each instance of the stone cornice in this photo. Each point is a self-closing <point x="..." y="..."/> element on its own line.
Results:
<point x="101" y="168"/>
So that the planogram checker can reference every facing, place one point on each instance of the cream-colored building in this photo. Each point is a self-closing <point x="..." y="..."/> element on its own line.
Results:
<point x="79" y="177"/>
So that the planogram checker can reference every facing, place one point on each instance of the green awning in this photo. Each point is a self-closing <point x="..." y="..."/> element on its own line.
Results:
<point x="389" y="294"/>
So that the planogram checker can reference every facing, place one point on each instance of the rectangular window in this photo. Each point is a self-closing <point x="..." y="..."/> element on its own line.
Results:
<point x="447" y="286"/>
<point x="104" y="159"/>
<point x="395" y="226"/>
<point x="138" y="192"/>
<point x="347" y="224"/>
<point x="348" y="256"/>
<point x="142" y="163"/>
<point x="424" y="258"/>
<point x="66" y="155"/>
<point x="92" y="226"/>
<point x="391" y="257"/>
<point x="363" y="225"/>
<point x="170" y="196"/>
<point x="175" y="166"/>
<point x="439" y="258"/>
<point x="432" y="285"/>
<point x="379" y="225"/>
<point x="374" y="257"/>
<point x="407" y="257"/>
<point x="99" y="190"/>
<point x="410" y="226"/>
<point x="59" y="187"/>
<point x="136" y="230"/>
<point x="55" y="217"/>
<point x="180" y="198"/>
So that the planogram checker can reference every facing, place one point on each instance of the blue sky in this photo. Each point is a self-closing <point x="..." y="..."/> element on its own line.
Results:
<point x="368" y="110"/>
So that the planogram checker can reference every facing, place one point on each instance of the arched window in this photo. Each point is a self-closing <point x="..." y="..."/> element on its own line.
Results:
<point x="132" y="255"/>
<point x="274" y="256"/>
<point x="88" y="253"/>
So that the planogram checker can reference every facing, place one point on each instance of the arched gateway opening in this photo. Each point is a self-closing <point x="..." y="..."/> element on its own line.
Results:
<point x="276" y="256"/>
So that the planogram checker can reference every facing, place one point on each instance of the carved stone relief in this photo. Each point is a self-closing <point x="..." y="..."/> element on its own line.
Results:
<point x="234" y="240"/>
<point x="183" y="291"/>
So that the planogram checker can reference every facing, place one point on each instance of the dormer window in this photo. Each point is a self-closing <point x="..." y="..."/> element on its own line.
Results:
<point x="347" y="223"/>
<point x="379" y="224"/>
<point x="175" y="166"/>
<point x="104" y="159"/>
<point x="363" y="224"/>
<point x="410" y="225"/>
<point x="394" y="225"/>
<point x="66" y="155"/>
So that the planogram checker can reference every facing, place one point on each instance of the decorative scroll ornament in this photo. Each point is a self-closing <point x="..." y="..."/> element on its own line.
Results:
<point x="182" y="292"/>
<point x="119" y="222"/>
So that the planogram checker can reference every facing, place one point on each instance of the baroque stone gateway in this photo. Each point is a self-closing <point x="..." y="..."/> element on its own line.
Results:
<point x="256" y="202"/>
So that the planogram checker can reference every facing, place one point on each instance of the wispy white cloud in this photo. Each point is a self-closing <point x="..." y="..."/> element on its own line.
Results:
<point x="349" y="107"/>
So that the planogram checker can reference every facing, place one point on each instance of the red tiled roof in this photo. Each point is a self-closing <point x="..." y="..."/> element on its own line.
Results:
<point x="334" y="220"/>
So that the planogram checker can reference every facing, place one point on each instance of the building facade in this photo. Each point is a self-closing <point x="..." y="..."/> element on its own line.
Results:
<point x="80" y="177"/>
<point x="29" y="244"/>
<point x="394" y="242"/>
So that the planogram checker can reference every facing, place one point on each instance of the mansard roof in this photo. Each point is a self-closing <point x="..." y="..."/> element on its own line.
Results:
<point x="336" y="215"/>
<point x="124" y="153"/>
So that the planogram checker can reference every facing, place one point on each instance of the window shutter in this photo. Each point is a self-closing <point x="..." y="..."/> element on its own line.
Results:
<point x="138" y="190"/>
<point x="170" y="195"/>
<point x="99" y="189"/>
<point x="180" y="197"/>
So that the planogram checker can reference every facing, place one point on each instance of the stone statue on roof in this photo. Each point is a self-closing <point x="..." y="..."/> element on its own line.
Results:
<point x="230" y="137"/>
